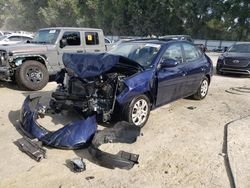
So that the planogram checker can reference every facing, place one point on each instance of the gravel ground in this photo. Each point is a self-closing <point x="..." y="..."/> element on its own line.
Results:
<point x="180" y="147"/>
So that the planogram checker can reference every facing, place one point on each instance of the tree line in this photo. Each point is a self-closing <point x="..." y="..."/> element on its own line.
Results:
<point x="210" y="19"/>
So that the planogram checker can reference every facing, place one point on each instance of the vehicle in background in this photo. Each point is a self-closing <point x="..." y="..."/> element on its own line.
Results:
<point x="5" y="33"/>
<point x="202" y="47"/>
<point x="235" y="60"/>
<point x="108" y="43"/>
<point x="107" y="40"/>
<point x="178" y="37"/>
<point x="14" y="39"/>
<point x="120" y="41"/>
<point x="132" y="79"/>
<point x="32" y="63"/>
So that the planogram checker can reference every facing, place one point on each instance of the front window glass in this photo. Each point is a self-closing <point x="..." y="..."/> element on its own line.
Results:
<point x="48" y="36"/>
<point x="142" y="53"/>
<point x="15" y="38"/>
<point x="173" y="52"/>
<point x="240" y="48"/>
<point x="73" y="38"/>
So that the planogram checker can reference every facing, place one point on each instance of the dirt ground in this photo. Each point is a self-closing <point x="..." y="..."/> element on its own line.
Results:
<point x="179" y="147"/>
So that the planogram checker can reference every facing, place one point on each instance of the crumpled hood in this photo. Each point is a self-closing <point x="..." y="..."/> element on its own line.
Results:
<point x="237" y="55"/>
<point x="24" y="48"/>
<point x="90" y="64"/>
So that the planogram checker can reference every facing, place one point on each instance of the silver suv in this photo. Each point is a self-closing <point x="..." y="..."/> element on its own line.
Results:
<point x="31" y="64"/>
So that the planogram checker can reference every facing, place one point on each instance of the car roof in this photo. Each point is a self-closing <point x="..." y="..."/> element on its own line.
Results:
<point x="71" y="28"/>
<point x="156" y="41"/>
<point x="247" y="43"/>
<point x="18" y="34"/>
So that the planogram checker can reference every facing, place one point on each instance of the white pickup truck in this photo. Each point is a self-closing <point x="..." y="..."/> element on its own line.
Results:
<point x="32" y="63"/>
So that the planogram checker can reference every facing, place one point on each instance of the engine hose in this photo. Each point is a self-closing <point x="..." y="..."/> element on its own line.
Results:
<point x="225" y="152"/>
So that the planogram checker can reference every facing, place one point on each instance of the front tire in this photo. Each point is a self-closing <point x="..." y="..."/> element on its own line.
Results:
<point x="137" y="111"/>
<point x="202" y="90"/>
<point x="32" y="75"/>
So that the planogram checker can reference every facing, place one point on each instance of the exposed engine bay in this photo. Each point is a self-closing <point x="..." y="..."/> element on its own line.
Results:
<point x="95" y="95"/>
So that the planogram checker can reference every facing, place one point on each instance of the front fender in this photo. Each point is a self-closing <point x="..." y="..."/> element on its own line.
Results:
<point x="19" y="59"/>
<point x="136" y="85"/>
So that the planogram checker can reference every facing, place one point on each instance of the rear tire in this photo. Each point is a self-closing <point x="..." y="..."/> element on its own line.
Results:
<point x="137" y="111"/>
<point x="32" y="75"/>
<point x="202" y="90"/>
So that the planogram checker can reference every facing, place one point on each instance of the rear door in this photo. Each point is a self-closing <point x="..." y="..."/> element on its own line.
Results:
<point x="171" y="80"/>
<point x="94" y="41"/>
<point x="195" y="67"/>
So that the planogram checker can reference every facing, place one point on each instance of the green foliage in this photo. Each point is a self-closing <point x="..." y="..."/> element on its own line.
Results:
<point x="211" y="19"/>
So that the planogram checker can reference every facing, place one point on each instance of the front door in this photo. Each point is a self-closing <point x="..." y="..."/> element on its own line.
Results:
<point x="73" y="44"/>
<point x="171" y="80"/>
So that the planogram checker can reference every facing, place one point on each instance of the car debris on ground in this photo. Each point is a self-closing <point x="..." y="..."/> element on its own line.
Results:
<point x="32" y="147"/>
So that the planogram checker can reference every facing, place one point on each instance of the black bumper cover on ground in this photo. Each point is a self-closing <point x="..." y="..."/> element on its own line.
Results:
<point x="122" y="132"/>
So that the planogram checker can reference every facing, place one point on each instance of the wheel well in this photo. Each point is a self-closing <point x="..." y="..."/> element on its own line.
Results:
<point x="150" y="97"/>
<point x="209" y="78"/>
<point x="19" y="61"/>
<point x="38" y="59"/>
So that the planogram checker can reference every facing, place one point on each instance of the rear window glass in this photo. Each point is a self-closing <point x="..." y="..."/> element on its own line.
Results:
<point x="191" y="52"/>
<point x="91" y="38"/>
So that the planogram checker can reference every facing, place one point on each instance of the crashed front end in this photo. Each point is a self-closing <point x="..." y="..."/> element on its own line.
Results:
<point x="5" y="70"/>
<point x="93" y="84"/>
<point x="77" y="134"/>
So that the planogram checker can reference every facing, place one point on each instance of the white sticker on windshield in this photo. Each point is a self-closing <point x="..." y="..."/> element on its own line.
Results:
<point x="153" y="45"/>
<point x="52" y="31"/>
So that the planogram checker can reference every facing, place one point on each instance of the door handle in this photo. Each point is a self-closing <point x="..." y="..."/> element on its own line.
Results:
<point x="79" y="51"/>
<point x="97" y="50"/>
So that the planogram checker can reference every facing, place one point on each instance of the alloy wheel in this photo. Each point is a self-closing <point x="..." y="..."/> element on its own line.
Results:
<point x="140" y="112"/>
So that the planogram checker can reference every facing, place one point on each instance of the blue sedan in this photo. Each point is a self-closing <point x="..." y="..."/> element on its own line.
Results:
<point x="124" y="84"/>
<point x="133" y="78"/>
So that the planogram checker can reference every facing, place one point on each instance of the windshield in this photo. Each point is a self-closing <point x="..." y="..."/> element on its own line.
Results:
<point x="142" y="53"/>
<point x="3" y="37"/>
<point x="240" y="48"/>
<point x="46" y="36"/>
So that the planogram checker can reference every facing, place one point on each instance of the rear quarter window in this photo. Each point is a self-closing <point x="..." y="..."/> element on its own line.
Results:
<point x="191" y="52"/>
<point x="92" y="38"/>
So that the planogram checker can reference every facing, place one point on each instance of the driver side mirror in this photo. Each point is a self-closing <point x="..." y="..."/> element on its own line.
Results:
<point x="168" y="63"/>
<point x="63" y="43"/>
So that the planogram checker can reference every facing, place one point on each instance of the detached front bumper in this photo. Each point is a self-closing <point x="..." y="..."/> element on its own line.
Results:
<point x="77" y="134"/>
